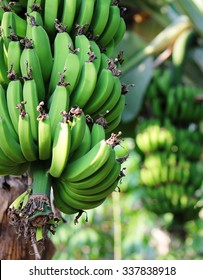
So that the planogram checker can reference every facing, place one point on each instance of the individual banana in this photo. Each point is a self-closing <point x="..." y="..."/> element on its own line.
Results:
<point x="69" y="13"/>
<point x="29" y="62"/>
<point x="101" y="91"/>
<point x="85" y="13"/>
<point x="3" y="64"/>
<point x="100" y="17"/>
<point x="73" y="68"/>
<point x="14" y="96"/>
<point x="27" y="144"/>
<point x="85" y="145"/>
<point x="51" y="11"/>
<point x="86" y="84"/>
<point x="59" y="103"/>
<point x="116" y="110"/>
<point x="31" y="101"/>
<point x="61" y="147"/>
<point x="111" y="26"/>
<point x="97" y="133"/>
<point x="13" y="56"/>
<point x="44" y="134"/>
<point x="62" y="45"/>
<point x="4" y="113"/>
<point x="9" y="145"/>
<point x="40" y="38"/>
<point x="82" y="43"/>
<point x="89" y="163"/>
<point x="120" y="32"/>
<point x="7" y="26"/>
<point x="78" y="125"/>
<point x="95" y="49"/>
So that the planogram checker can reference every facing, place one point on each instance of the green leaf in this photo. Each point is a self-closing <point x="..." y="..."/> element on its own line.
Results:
<point x="140" y="76"/>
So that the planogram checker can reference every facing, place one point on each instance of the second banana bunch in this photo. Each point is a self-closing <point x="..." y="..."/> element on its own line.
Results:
<point x="61" y="98"/>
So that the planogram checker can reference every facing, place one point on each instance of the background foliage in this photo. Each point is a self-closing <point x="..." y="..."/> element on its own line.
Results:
<point x="122" y="228"/>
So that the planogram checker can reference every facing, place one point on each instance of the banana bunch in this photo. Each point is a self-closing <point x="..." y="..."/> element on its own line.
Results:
<point x="173" y="198"/>
<point x="60" y="96"/>
<point x="152" y="135"/>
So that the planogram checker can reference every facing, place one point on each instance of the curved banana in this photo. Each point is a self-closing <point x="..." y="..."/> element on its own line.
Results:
<point x="77" y="130"/>
<point x="59" y="201"/>
<point x="120" y="32"/>
<point x="85" y="145"/>
<point x="59" y="103"/>
<point x="7" y="27"/>
<point x="27" y="144"/>
<point x="85" y="86"/>
<point x="101" y="92"/>
<point x="40" y="38"/>
<point x="95" y="49"/>
<point x="14" y="96"/>
<point x="82" y="43"/>
<point x="4" y="113"/>
<point x="111" y="100"/>
<point x="3" y="65"/>
<point x="116" y="110"/>
<point x="73" y="68"/>
<point x="13" y="56"/>
<point x="6" y="161"/>
<point x="85" y="14"/>
<point x="44" y="137"/>
<point x="97" y="134"/>
<point x="10" y="147"/>
<point x="60" y="148"/>
<point x="29" y="61"/>
<point x="51" y="11"/>
<point x="30" y="96"/>
<point x="77" y="204"/>
<point x="111" y="26"/>
<point x="69" y="13"/>
<point x="89" y="163"/>
<point x="62" y="45"/>
<point x="96" y="177"/>
<point x="100" y="17"/>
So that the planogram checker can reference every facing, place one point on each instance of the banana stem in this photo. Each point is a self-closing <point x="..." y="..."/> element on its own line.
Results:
<point x="41" y="178"/>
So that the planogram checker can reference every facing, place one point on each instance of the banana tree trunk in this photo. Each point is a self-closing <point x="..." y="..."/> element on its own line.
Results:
<point x="13" y="247"/>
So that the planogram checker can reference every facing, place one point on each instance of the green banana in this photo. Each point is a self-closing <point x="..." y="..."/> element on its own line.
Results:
<point x="111" y="26"/>
<point x="100" y="17"/>
<point x="62" y="45"/>
<point x="27" y="144"/>
<point x="30" y="97"/>
<point x="6" y="161"/>
<point x="14" y="96"/>
<point x="20" y="25"/>
<point x="13" y="56"/>
<point x="4" y="113"/>
<point x="85" y="13"/>
<point x="73" y="69"/>
<point x="59" y="201"/>
<point x="83" y="44"/>
<point x="68" y="13"/>
<point x="85" y="205"/>
<point x="84" y="146"/>
<point x="10" y="147"/>
<point x="40" y="38"/>
<point x="113" y="124"/>
<point x="59" y="103"/>
<point x="97" y="134"/>
<point x="116" y="110"/>
<point x="101" y="91"/>
<point x="61" y="147"/>
<point x="29" y="62"/>
<point x="86" y="84"/>
<point x="78" y="125"/>
<point x="51" y="11"/>
<point x="120" y="32"/>
<point x="89" y="163"/>
<point x="7" y="26"/>
<point x="96" y="177"/>
<point x="95" y="49"/>
<point x="44" y="136"/>
<point x="3" y="64"/>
